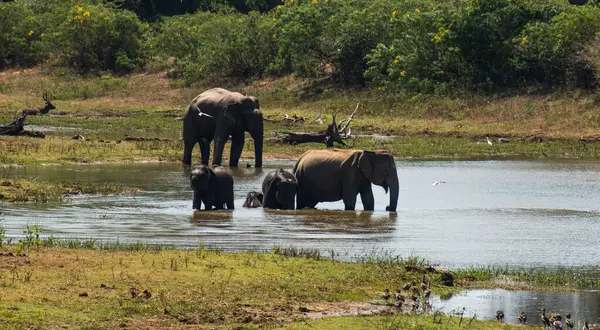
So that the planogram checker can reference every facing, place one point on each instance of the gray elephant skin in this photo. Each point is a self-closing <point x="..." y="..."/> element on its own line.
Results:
<point x="334" y="174"/>
<point x="213" y="188"/>
<point x="253" y="200"/>
<point x="279" y="189"/>
<point x="217" y="114"/>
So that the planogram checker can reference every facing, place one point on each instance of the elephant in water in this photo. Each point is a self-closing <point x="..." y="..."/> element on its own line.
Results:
<point x="334" y="174"/>
<point x="279" y="188"/>
<point x="217" y="114"/>
<point x="253" y="200"/>
<point x="212" y="187"/>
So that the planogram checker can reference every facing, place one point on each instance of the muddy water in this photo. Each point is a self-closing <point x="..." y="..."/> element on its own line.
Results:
<point x="483" y="304"/>
<point x="527" y="213"/>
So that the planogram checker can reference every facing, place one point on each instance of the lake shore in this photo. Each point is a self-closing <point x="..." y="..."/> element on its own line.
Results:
<point x="48" y="282"/>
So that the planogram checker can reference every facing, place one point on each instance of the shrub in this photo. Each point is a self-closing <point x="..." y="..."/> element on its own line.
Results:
<point x="208" y="46"/>
<point x="21" y="36"/>
<point x="555" y="52"/>
<point x="97" y="37"/>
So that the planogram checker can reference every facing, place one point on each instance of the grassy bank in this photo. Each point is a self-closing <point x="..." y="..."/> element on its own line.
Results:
<point x="27" y="190"/>
<point x="139" y="286"/>
<point x="105" y="110"/>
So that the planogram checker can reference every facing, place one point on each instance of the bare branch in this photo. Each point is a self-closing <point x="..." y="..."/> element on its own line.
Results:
<point x="350" y="118"/>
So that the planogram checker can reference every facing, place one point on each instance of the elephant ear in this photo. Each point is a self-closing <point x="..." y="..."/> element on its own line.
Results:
<point x="364" y="161"/>
<point x="230" y="114"/>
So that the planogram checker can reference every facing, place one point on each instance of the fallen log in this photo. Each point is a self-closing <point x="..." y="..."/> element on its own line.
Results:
<point x="17" y="128"/>
<point x="328" y="137"/>
<point x="142" y="138"/>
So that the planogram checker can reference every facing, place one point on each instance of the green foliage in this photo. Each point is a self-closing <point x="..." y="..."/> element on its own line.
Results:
<point x="21" y="35"/>
<point x="207" y="46"/>
<point x="31" y="238"/>
<point x="98" y="37"/>
<point x="420" y="46"/>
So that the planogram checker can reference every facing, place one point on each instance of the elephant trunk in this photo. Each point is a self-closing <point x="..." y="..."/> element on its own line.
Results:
<point x="392" y="183"/>
<point x="257" y="136"/>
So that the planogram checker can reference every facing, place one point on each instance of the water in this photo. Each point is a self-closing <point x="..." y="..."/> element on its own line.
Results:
<point x="483" y="304"/>
<point x="520" y="213"/>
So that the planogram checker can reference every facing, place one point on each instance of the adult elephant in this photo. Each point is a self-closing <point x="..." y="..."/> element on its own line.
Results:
<point x="334" y="174"/>
<point x="217" y="114"/>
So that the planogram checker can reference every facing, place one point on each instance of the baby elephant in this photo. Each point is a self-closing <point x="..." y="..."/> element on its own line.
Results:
<point x="214" y="188"/>
<point x="253" y="200"/>
<point x="279" y="188"/>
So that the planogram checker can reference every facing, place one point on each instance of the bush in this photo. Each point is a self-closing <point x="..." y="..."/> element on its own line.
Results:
<point x="21" y="36"/>
<point x="99" y="37"/>
<point x="207" y="46"/>
<point x="555" y="52"/>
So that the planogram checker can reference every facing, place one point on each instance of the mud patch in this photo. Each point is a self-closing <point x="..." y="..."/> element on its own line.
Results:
<point x="330" y="309"/>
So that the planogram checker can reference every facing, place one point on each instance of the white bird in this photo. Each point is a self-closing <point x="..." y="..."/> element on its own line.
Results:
<point x="286" y="116"/>
<point x="488" y="140"/>
<point x="319" y="118"/>
<point x="348" y="132"/>
<point x="436" y="183"/>
<point x="200" y="113"/>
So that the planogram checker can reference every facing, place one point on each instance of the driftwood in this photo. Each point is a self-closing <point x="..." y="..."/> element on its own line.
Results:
<point x="328" y="137"/>
<point x="17" y="128"/>
<point x="141" y="138"/>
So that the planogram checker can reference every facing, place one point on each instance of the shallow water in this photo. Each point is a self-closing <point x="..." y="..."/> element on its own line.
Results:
<point x="483" y="304"/>
<point x="526" y="213"/>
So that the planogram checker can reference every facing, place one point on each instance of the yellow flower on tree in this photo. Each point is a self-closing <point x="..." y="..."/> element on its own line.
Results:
<point x="86" y="14"/>
<point x="397" y="59"/>
<point x="417" y="10"/>
<point x="79" y="9"/>
<point x="30" y="33"/>
<point x="402" y="74"/>
<point x="394" y="14"/>
<point x="314" y="2"/>
<point x="523" y="40"/>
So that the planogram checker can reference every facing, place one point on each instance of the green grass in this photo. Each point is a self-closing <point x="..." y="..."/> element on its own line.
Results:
<point x="28" y="190"/>
<point x="417" y="127"/>
<point x="50" y="282"/>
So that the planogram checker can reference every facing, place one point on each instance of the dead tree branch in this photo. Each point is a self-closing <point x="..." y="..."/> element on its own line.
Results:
<point x="328" y="137"/>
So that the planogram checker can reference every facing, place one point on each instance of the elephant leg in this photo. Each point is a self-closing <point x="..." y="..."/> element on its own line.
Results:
<point x="230" y="205"/>
<point x="366" y="196"/>
<point x="349" y="198"/>
<point x="204" y="150"/>
<point x="237" y="144"/>
<point x="299" y="199"/>
<point x="197" y="201"/>
<point x="209" y="202"/>
<point x="188" y="147"/>
<point x="221" y="136"/>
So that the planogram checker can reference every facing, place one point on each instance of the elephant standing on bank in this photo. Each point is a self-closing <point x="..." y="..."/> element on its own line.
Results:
<point x="217" y="114"/>
<point x="211" y="187"/>
<point x="279" y="190"/>
<point x="335" y="174"/>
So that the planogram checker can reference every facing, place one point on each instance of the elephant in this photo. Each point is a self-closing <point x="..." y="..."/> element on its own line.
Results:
<point x="211" y="187"/>
<point x="217" y="114"/>
<point x="279" y="189"/>
<point x="335" y="174"/>
<point x="253" y="200"/>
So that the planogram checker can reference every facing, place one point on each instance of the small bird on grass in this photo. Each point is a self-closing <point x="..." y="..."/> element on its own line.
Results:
<point x="544" y="318"/>
<point x="522" y="317"/>
<point x="489" y="141"/>
<point x="499" y="315"/>
<point x="386" y="295"/>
